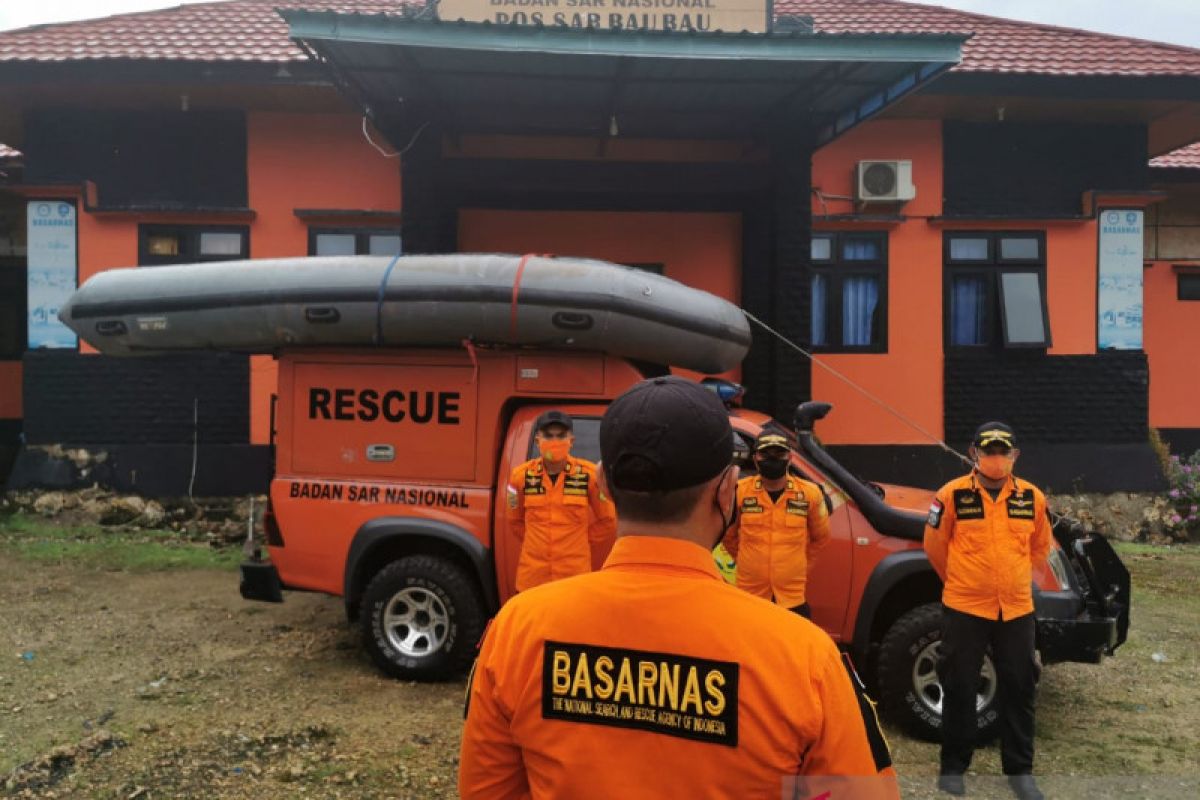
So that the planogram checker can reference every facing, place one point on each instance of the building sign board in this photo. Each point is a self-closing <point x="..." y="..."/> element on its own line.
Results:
<point x="1120" y="296"/>
<point x="688" y="16"/>
<point x="51" y="271"/>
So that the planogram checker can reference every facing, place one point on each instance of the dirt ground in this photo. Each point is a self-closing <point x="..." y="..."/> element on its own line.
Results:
<point x="131" y="685"/>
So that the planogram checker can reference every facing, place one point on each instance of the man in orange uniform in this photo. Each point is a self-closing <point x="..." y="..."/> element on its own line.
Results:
<point x="653" y="677"/>
<point x="556" y="507"/>
<point x="985" y="532"/>
<point x="782" y="523"/>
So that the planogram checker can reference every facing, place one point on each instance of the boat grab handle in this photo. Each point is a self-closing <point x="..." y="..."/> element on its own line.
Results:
<point x="322" y="315"/>
<point x="572" y="321"/>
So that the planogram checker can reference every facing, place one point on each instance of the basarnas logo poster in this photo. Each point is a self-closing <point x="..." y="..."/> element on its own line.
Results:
<point x="51" y="271"/>
<point x="1120" y="290"/>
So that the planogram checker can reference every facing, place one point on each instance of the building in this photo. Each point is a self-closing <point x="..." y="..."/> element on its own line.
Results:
<point x="953" y="211"/>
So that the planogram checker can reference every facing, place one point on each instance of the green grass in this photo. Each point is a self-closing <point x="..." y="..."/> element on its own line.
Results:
<point x="111" y="549"/>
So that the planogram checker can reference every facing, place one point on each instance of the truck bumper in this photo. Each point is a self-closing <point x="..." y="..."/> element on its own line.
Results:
<point x="1086" y="639"/>
<point x="1090" y="620"/>
<point x="260" y="581"/>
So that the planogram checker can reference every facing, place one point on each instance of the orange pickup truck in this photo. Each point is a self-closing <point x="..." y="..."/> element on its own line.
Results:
<point x="388" y="491"/>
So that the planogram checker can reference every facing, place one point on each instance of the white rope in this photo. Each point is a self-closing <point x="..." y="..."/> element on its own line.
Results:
<point x="879" y="401"/>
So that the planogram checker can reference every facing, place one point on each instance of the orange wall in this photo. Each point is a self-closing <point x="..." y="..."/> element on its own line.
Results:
<point x="1172" y="331"/>
<point x="702" y="250"/>
<point x="293" y="161"/>
<point x="916" y="140"/>
<point x="909" y="376"/>
<point x="10" y="390"/>
<point x="311" y="161"/>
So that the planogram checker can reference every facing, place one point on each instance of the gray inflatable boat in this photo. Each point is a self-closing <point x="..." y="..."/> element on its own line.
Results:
<point x="261" y="306"/>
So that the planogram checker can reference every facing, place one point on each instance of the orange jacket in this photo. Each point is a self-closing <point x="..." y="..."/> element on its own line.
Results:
<point x="654" y="678"/>
<point x="984" y="549"/>
<point x="774" y="541"/>
<point x="557" y="521"/>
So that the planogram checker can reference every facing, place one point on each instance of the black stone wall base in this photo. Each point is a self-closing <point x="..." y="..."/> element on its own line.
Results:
<point x="151" y="470"/>
<point x="1183" y="441"/>
<point x="1054" y="467"/>
<point x="10" y="445"/>
<point x="922" y="466"/>
<point x="90" y="399"/>
<point x="1090" y="400"/>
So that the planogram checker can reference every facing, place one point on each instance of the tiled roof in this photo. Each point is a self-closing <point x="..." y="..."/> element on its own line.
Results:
<point x="251" y="30"/>
<point x="1183" y="158"/>
<point x="1003" y="45"/>
<point x="233" y="30"/>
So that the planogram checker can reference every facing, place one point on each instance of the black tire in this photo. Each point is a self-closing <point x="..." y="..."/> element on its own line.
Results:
<point x="446" y="612"/>
<point x="908" y="696"/>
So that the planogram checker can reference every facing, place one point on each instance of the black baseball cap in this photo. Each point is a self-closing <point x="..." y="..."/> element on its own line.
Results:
<point x="665" y="434"/>
<point x="554" y="417"/>
<point x="994" y="433"/>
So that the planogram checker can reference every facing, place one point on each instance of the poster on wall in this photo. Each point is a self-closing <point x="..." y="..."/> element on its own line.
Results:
<point x="51" y="272"/>
<point x="1120" y="295"/>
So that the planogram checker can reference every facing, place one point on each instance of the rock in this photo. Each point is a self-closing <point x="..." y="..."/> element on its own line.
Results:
<point x="49" y="504"/>
<point x="122" y="510"/>
<point x="152" y="515"/>
<point x="79" y="457"/>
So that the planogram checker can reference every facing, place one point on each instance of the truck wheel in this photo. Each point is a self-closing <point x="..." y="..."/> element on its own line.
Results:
<point x="910" y="691"/>
<point x="422" y="616"/>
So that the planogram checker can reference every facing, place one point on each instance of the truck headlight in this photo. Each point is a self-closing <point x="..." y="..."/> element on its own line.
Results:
<point x="1059" y="566"/>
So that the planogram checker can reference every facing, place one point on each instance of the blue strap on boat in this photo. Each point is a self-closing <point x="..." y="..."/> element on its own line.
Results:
<point x="387" y="273"/>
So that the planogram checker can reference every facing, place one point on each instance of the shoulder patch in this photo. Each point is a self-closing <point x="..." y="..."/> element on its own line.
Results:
<point x="664" y="693"/>
<point x="936" y="509"/>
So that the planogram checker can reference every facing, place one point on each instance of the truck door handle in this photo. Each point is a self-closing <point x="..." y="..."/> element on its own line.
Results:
<point x="381" y="452"/>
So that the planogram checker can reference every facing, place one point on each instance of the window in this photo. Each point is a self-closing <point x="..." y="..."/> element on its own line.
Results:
<point x="1188" y="287"/>
<point x="849" y="292"/>
<point x="187" y="244"/>
<point x="353" y="242"/>
<point x="995" y="292"/>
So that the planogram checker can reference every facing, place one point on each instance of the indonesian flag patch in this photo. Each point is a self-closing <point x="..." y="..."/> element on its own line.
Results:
<point x="935" y="514"/>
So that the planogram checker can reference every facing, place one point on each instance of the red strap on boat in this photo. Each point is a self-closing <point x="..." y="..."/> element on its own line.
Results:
<point x="512" y="327"/>
<point x="470" y="346"/>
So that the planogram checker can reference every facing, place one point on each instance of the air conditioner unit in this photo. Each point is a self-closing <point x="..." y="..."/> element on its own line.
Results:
<point x="884" y="182"/>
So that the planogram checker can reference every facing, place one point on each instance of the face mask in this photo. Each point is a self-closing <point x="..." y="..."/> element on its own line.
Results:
<point x="554" y="449"/>
<point x="995" y="467"/>
<point x="773" y="468"/>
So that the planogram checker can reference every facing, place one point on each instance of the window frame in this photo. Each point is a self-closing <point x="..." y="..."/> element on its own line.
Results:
<point x="993" y="268"/>
<point x="836" y="269"/>
<point x="362" y="236"/>
<point x="191" y="234"/>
